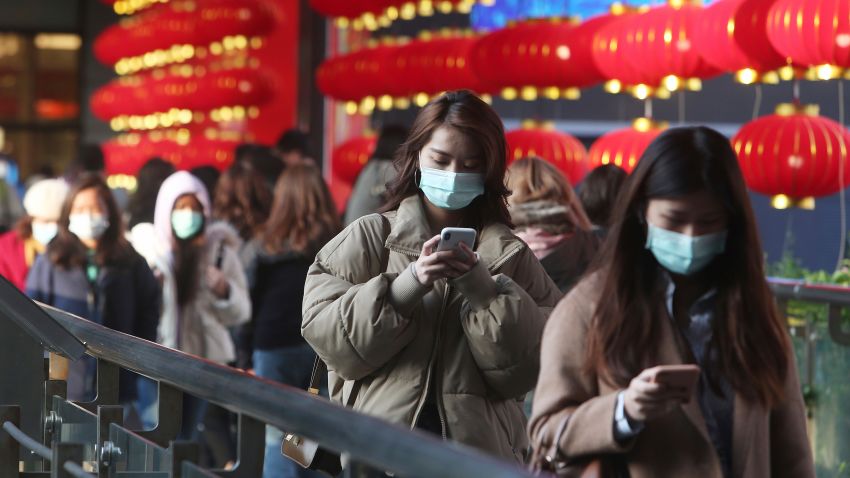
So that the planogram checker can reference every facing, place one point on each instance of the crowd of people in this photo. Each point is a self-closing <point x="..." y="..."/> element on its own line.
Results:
<point x="588" y="298"/>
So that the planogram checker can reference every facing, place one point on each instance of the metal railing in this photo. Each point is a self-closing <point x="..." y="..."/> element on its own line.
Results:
<point x="364" y="439"/>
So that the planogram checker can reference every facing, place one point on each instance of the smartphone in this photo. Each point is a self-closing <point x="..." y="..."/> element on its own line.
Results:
<point x="682" y="378"/>
<point x="451" y="237"/>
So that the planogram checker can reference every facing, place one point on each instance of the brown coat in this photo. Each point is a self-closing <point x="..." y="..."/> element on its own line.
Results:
<point x="765" y="442"/>
<point x="474" y="342"/>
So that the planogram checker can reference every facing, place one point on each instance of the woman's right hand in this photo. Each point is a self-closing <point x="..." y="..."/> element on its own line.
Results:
<point x="646" y="400"/>
<point x="434" y="265"/>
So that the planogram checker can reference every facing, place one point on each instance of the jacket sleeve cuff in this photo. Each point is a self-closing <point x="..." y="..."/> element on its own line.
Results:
<point x="624" y="427"/>
<point x="406" y="291"/>
<point x="478" y="286"/>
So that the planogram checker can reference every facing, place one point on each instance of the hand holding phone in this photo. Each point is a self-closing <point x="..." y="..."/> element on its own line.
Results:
<point x="679" y="378"/>
<point x="446" y="256"/>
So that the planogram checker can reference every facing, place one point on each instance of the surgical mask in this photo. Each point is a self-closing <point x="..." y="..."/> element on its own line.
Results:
<point x="186" y="223"/>
<point x="44" y="232"/>
<point x="450" y="190"/>
<point x="682" y="254"/>
<point x="88" y="226"/>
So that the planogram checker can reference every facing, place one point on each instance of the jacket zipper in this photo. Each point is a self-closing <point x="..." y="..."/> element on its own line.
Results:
<point x="434" y="358"/>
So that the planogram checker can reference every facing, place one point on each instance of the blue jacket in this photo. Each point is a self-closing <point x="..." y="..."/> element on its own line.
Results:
<point x="125" y="298"/>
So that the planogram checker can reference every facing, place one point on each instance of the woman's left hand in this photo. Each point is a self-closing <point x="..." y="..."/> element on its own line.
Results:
<point x="463" y="261"/>
<point x="217" y="283"/>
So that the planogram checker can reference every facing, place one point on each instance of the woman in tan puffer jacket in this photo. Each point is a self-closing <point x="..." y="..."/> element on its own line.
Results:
<point x="447" y="342"/>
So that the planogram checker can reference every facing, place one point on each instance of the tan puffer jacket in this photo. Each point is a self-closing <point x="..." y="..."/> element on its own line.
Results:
<point x="474" y="341"/>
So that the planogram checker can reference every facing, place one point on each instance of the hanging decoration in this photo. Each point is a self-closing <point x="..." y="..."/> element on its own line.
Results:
<point x="349" y="158"/>
<point x="813" y="33"/>
<point x="374" y="14"/>
<point x="548" y="58"/>
<point x="395" y="74"/>
<point x="624" y="147"/>
<point x="653" y="51"/>
<point x="732" y="36"/>
<point x="794" y="155"/>
<point x="180" y="31"/>
<point x="194" y="77"/>
<point x="542" y="140"/>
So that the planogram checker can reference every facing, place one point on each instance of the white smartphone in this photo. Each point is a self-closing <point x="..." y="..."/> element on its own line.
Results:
<point x="451" y="237"/>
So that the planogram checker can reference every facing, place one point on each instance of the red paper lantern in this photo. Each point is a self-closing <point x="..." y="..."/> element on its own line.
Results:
<point x="356" y="75"/>
<point x="732" y="36"/>
<point x="811" y="32"/>
<point x="349" y="157"/>
<point x="437" y="64"/>
<point x="561" y="149"/>
<point x="123" y="156"/>
<point x="659" y="44"/>
<point x="147" y="95"/>
<point x="181" y="23"/>
<point x="550" y="53"/>
<point x="794" y="153"/>
<point x="608" y="56"/>
<point x="624" y="147"/>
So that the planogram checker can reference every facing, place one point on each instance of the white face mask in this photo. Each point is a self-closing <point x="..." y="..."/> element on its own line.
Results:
<point x="88" y="226"/>
<point x="44" y="232"/>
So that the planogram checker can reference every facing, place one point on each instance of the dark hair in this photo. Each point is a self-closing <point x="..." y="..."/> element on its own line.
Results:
<point x="209" y="176"/>
<point x="598" y="192"/>
<point x="150" y="177"/>
<point x="66" y="250"/>
<point x="293" y="140"/>
<point x="89" y="159"/>
<point x="474" y="118"/>
<point x="243" y="199"/>
<point x="749" y="336"/>
<point x="262" y="159"/>
<point x="23" y="227"/>
<point x="303" y="216"/>
<point x="389" y="140"/>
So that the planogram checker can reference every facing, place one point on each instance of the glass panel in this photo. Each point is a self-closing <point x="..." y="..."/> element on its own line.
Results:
<point x="12" y="81"/>
<point x="137" y="454"/>
<point x="190" y="470"/>
<point x="56" y="76"/>
<point x="78" y="426"/>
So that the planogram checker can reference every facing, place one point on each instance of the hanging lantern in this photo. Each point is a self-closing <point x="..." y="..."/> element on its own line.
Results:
<point x="179" y="26"/>
<point x="561" y="149"/>
<point x="732" y="36"/>
<point x="608" y="56"/>
<point x="349" y="157"/>
<point x="814" y="33"/>
<point x="794" y="155"/>
<point x="434" y="65"/>
<point x="624" y="147"/>
<point x="659" y="44"/>
<point x="545" y="57"/>
<point x="126" y="155"/>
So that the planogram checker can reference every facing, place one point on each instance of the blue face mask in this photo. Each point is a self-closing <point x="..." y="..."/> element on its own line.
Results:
<point x="682" y="254"/>
<point x="450" y="190"/>
<point x="186" y="223"/>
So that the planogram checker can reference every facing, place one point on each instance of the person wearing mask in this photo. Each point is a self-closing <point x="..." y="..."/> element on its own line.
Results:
<point x="142" y="202"/>
<point x="302" y="220"/>
<point x="681" y="282"/>
<point x="370" y="189"/>
<point x="598" y="194"/>
<point x="550" y="219"/>
<point x="446" y="341"/>
<point x="203" y="283"/>
<point x="90" y="270"/>
<point x="33" y="232"/>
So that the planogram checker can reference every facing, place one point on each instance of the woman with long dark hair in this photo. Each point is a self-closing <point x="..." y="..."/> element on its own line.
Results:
<point x="446" y="341"/>
<point x="302" y="220"/>
<point x="680" y="281"/>
<point x="90" y="270"/>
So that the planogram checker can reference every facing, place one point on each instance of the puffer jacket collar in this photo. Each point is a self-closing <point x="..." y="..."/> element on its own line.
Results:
<point x="496" y="242"/>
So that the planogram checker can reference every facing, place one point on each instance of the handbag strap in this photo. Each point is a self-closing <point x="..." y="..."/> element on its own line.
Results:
<point x="319" y="366"/>
<point x="544" y="455"/>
